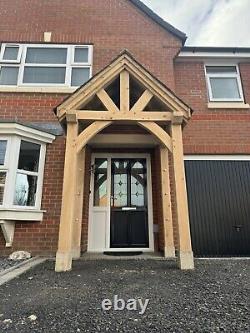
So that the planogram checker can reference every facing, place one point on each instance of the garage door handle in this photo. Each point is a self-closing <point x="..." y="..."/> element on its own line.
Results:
<point x="238" y="227"/>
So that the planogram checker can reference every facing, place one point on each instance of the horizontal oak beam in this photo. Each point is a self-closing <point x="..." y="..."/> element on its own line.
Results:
<point x="128" y="116"/>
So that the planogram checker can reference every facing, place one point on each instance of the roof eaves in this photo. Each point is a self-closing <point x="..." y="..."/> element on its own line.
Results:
<point x="165" y="25"/>
<point x="215" y="49"/>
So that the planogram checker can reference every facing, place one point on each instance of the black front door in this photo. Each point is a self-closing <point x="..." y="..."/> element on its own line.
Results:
<point x="129" y="213"/>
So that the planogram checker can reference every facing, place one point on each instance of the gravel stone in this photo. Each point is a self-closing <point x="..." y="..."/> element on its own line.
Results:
<point x="212" y="298"/>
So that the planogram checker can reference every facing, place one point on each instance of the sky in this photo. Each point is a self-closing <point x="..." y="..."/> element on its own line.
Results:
<point x="207" y="22"/>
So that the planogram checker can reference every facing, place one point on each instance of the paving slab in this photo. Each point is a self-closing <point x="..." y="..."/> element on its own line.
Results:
<point x="212" y="298"/>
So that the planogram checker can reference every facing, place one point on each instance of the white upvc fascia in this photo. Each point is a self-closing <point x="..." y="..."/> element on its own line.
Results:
<point x="217" y="157"/>
<point x="213" y="55"/>
<point x="26" y="132"/>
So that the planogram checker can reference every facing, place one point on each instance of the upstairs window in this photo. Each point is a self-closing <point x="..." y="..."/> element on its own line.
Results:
<point x="224" y="83"/>
<point x="45" y="65"/>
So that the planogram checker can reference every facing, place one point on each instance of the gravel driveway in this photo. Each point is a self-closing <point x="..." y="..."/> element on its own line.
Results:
<point x="213" y="298"/>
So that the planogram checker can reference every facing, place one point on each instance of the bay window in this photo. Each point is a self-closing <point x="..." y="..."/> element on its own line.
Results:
<point x="45" y="65"/>
<point x="22" y="156"/>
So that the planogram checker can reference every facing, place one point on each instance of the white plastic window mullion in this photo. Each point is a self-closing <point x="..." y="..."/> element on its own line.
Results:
<point x="11" y="178"/>
<point x="40" y="176"/>
<point x="5" y="168"/>
<point x="21" y="69"/>
<point x="68" y="66"/>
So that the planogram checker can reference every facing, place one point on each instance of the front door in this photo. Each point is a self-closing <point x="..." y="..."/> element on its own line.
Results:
<point x="120" y="210"/>
<point x="129" y="208"/>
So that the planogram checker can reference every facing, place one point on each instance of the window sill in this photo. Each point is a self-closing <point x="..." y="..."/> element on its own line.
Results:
<point x="39" y="89"/>
<point x="15" y="214"/>
<point x="228" y="105"/>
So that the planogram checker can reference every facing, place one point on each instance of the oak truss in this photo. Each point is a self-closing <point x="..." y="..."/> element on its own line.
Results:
<point x="123" y="92"/>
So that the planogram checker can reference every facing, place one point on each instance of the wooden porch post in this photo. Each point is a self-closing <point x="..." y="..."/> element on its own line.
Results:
<point x="64" y="252"/>
<point x="169" y="248"/>
<point x="77" y="226"/>
<point x="185" y="254"/>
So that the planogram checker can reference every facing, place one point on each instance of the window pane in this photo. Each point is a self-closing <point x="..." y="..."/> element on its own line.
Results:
<point x="1" y="194"/>
<point x="2" y="183"/>
<point x="38" y="55"/>
<point x="79" y="76"/>
<point x="11" y="53"/>
<point x="25" y="190"/>
<point x="3" y="145"/>
<point x="138" y="183"/>
<point x="81" y="54"/>
<point x="8" y="75"/>
<point x="44" y="75"/>
<point x="29" y="156"/>
<point x="221" y="69"/>
<point x="120" y="183"/>
<point x="225" y="88"/>
<point x="100" y="184"/>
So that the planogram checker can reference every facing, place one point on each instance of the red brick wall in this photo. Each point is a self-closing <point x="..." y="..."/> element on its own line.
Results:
<point x="212" y="131"/>
<point x="41" y="237"/>
<point x="112" y="26"/>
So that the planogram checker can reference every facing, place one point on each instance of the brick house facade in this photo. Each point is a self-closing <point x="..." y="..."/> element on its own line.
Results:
<point x="110" y="27"/>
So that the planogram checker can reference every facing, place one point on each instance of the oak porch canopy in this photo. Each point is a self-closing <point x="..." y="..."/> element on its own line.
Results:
<point x="123" y="92"/>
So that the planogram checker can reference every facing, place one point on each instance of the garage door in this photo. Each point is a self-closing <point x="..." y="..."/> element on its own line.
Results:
<point x="219" y="207"/>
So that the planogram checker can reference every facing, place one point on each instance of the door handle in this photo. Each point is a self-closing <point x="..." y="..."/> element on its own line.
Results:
<point x="237" y="227"/>
<point x="112" y="200"/>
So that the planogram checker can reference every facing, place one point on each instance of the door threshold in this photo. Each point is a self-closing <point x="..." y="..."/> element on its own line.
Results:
<point x="120" y="254"/>
<point x="143" y="250"/>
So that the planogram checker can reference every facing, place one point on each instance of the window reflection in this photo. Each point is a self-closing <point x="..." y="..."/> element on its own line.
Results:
<point x="120" y="183"/>
<point x="25" y="190"/>
<point x="2" y="185"/>
<point x="3" y="145"/>
<point x="100" y="183"/>
<point x="138" y="183"/>
<point x="29" y="156"/>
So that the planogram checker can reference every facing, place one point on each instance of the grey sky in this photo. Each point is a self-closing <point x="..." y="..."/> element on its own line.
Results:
<point x="208" y="22"/>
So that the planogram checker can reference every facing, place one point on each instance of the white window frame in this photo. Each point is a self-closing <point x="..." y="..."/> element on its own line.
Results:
<point x="11" y="167"/>
<point x="223" y="75"/>
<point x="5" y="166"/>
<point x="17" y="61"/>
<point x="14" y="134"/>
<point x="68" y="65"/>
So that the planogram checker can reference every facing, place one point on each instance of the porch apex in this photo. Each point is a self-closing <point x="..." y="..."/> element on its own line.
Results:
<point x="136" y="90"/>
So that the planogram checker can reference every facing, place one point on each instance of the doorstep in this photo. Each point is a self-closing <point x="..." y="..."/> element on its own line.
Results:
<point x="143" y="256"/>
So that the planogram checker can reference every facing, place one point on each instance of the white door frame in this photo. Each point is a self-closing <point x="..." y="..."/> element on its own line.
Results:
<point x="92" y="208"/>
